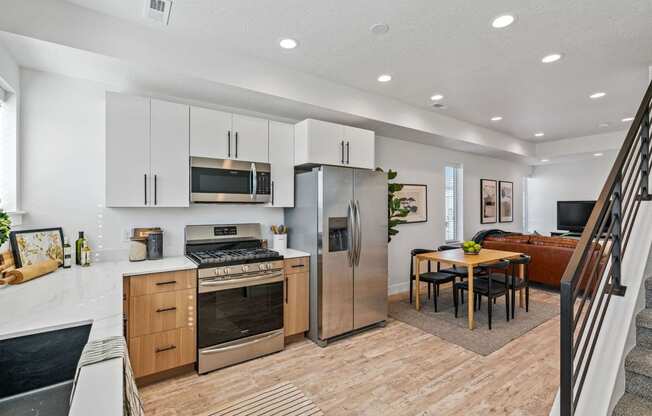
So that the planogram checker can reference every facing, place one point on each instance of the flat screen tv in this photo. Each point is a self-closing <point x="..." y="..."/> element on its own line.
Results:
<point x="573" y="215"/>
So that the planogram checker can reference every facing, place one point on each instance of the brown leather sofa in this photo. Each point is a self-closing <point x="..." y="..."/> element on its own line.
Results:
<point x="550" y="255"/>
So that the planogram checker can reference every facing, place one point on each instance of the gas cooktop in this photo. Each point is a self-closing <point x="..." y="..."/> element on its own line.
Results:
<point x="212" y="258"/>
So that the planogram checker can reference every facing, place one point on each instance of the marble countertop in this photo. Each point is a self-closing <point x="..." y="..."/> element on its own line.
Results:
<point x="290" y="253"/>
<point x="70" y="297"/>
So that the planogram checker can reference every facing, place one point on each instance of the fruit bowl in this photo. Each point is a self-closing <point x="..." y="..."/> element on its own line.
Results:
<point x="471" y="247"/>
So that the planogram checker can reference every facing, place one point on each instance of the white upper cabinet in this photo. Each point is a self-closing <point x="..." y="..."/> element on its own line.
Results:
<point x="251" y="139"/>
<point x="127" y="151"/>
<point x="219" y="135"/>
<point x="360" y="147"/>
<point x="210" y="133"/>
<point x="322" y="143"/>
<point x="170" y="170"/>
<point x="281" y="157"/>
<point x="146" y="152"/>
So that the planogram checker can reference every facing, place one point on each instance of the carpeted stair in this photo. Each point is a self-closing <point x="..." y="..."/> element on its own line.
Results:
<point x="637" y="400"/>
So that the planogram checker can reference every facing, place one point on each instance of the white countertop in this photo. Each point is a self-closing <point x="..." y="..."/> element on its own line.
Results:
<point x="290" y="253"/>
<point x="78" y="295"/>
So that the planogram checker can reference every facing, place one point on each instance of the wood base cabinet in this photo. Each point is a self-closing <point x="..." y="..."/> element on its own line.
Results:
<point x="297" y="283"/>
<point x="160" y="313"/>
<point x="162" y="351"/>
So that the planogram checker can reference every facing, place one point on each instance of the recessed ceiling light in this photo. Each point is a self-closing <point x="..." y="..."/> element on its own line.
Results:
<point x="597" y="95"/>
<point x="502" y="21"/>
<point x="553" y="57"/>
<point x="379" y="28"/>
<point x="545" y="160"/>
<point x="598" y="154"/>
<point x="539" y="134"/>
<point x="603" y="125"/>
<point x="384" y="78"/>
<point x="436" y="97"/>
<point x="627" y="119"/>
<point x="288" y="43"/>
<point x="496" y="118"/>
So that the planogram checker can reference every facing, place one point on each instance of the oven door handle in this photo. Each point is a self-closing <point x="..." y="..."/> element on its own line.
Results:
<point x="212" y="286"/>
<point x="243" y="344"/>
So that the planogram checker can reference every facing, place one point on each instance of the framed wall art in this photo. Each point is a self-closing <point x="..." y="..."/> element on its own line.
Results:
<point x="415" y="199"/>
<point x="506" y="201"/>
<point x="488" y="201"/>
<point x="34" y="246"/>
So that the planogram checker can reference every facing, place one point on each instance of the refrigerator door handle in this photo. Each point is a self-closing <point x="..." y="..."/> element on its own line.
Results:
<point x="350" y="231"/>
<point x="358" y="234"/>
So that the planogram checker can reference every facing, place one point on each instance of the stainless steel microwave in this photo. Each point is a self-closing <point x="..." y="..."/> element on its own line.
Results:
<point x="221" y="180"/>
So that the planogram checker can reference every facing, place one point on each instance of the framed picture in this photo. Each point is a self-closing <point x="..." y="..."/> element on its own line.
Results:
<point x="488" y="201"/>
<point x="506" y="198"/>
<point x="34" y="246"/>
<point x="415" y="199"/>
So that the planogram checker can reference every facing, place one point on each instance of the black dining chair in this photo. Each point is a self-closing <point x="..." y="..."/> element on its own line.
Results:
<point x="435" y="278"/>
<point x="516" y="282"/>
<point x="491" y="285"/>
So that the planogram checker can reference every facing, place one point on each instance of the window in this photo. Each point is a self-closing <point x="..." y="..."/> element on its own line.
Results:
<point x="8" y="151"/>
<point x="453" y="202"/>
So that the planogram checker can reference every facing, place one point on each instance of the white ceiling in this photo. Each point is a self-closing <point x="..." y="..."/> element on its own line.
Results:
<point x="447" y="47"/>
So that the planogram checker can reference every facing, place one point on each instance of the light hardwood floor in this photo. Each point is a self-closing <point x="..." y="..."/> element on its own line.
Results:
<point x="396" y="370"/>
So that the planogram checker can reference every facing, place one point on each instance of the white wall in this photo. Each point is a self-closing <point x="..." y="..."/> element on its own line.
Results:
<point x="574" y="181"/>
<point x="9" y="121"/>
<point x="63" y="171"/>
<point x="423" y="164"/>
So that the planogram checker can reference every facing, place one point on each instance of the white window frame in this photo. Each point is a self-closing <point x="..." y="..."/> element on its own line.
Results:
<point x="458" y="201"/>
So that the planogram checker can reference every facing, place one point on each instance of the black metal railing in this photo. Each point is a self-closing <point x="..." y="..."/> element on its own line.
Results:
<point x="593" y="274"/>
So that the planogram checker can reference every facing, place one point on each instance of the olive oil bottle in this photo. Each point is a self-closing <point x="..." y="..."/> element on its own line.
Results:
<point x="78" y="248"/>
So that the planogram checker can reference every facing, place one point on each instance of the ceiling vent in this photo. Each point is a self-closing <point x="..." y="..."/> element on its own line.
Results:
<point x="158" y="11"/>
<point x="439" y="106"/>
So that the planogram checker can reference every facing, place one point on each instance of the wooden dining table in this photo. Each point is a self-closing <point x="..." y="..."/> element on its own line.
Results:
<point x="470" y="261"/>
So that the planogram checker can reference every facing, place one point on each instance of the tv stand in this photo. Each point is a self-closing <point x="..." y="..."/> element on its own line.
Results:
<point x="565" y="234"/>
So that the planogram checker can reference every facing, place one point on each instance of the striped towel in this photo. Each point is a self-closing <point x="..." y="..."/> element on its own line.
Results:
<point x="108" y="349"/>
<point x="281" y="400"/>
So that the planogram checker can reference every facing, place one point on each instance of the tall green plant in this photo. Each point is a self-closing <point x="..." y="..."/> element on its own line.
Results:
<point x="395" y="212"/>
<point x="5" y="226"/>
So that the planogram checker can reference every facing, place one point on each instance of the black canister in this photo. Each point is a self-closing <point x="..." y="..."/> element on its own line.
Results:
<point x="155" y="245"/>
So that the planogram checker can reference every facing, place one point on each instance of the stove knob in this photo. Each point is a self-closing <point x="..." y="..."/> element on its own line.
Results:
<point x="216" y="272"/>
<point x="226" y="270"/>
<point x="262" y="266"/>
<point x="268" y="266"/>
<point x="245" y="268"/>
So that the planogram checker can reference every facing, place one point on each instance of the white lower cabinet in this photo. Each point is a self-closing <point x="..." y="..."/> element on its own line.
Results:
<point x="147" y="152"/>
<point x="281" y="157"/>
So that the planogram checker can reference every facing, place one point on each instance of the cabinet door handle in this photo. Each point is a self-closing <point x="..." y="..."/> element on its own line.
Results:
<point x="228" y="141"/>
<point x="169" y="282"/>
<point x="168" y="348"/>
<point x="296" y="266"/>
<point x="348" y="161"/>
<point x="272" y="192"/>
<point x="145" y="188"/>
<point x="236" y="144"/>
<point x="172" y="308"/>
<point x="155" y="190"/>
<point x="286" y="289"/>
<point x="342" y="150"/>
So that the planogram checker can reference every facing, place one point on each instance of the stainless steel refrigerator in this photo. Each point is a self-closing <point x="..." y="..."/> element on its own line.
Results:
<point x="340" y="218"/>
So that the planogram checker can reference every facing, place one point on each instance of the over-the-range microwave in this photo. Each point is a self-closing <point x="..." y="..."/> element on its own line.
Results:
<point x="221" y="180"/>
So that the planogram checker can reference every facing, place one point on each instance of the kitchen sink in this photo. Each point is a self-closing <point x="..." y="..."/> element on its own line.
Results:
<point x="37" y="371"/>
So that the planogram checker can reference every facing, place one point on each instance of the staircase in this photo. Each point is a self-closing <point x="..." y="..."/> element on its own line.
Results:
<point x="637" y="400"/>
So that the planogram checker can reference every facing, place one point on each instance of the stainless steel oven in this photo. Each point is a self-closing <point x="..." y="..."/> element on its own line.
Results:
<point x="240" y="313"/>
<point x="221" y="180"/>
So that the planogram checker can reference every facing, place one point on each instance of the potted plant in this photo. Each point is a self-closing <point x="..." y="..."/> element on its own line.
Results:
<point x="395" y="211"/>
<point x="5" y="227"/>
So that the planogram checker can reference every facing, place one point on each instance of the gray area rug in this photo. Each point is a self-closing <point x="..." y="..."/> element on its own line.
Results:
<point x="481" y="340"/>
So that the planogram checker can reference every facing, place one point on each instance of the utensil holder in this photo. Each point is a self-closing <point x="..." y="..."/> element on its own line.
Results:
<point x="280" y="241"/>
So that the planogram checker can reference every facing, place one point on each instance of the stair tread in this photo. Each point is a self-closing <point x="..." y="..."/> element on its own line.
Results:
<point x="633" y="405"/>
<point x="639" y="361"/>
<point x="644" y="318"/>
